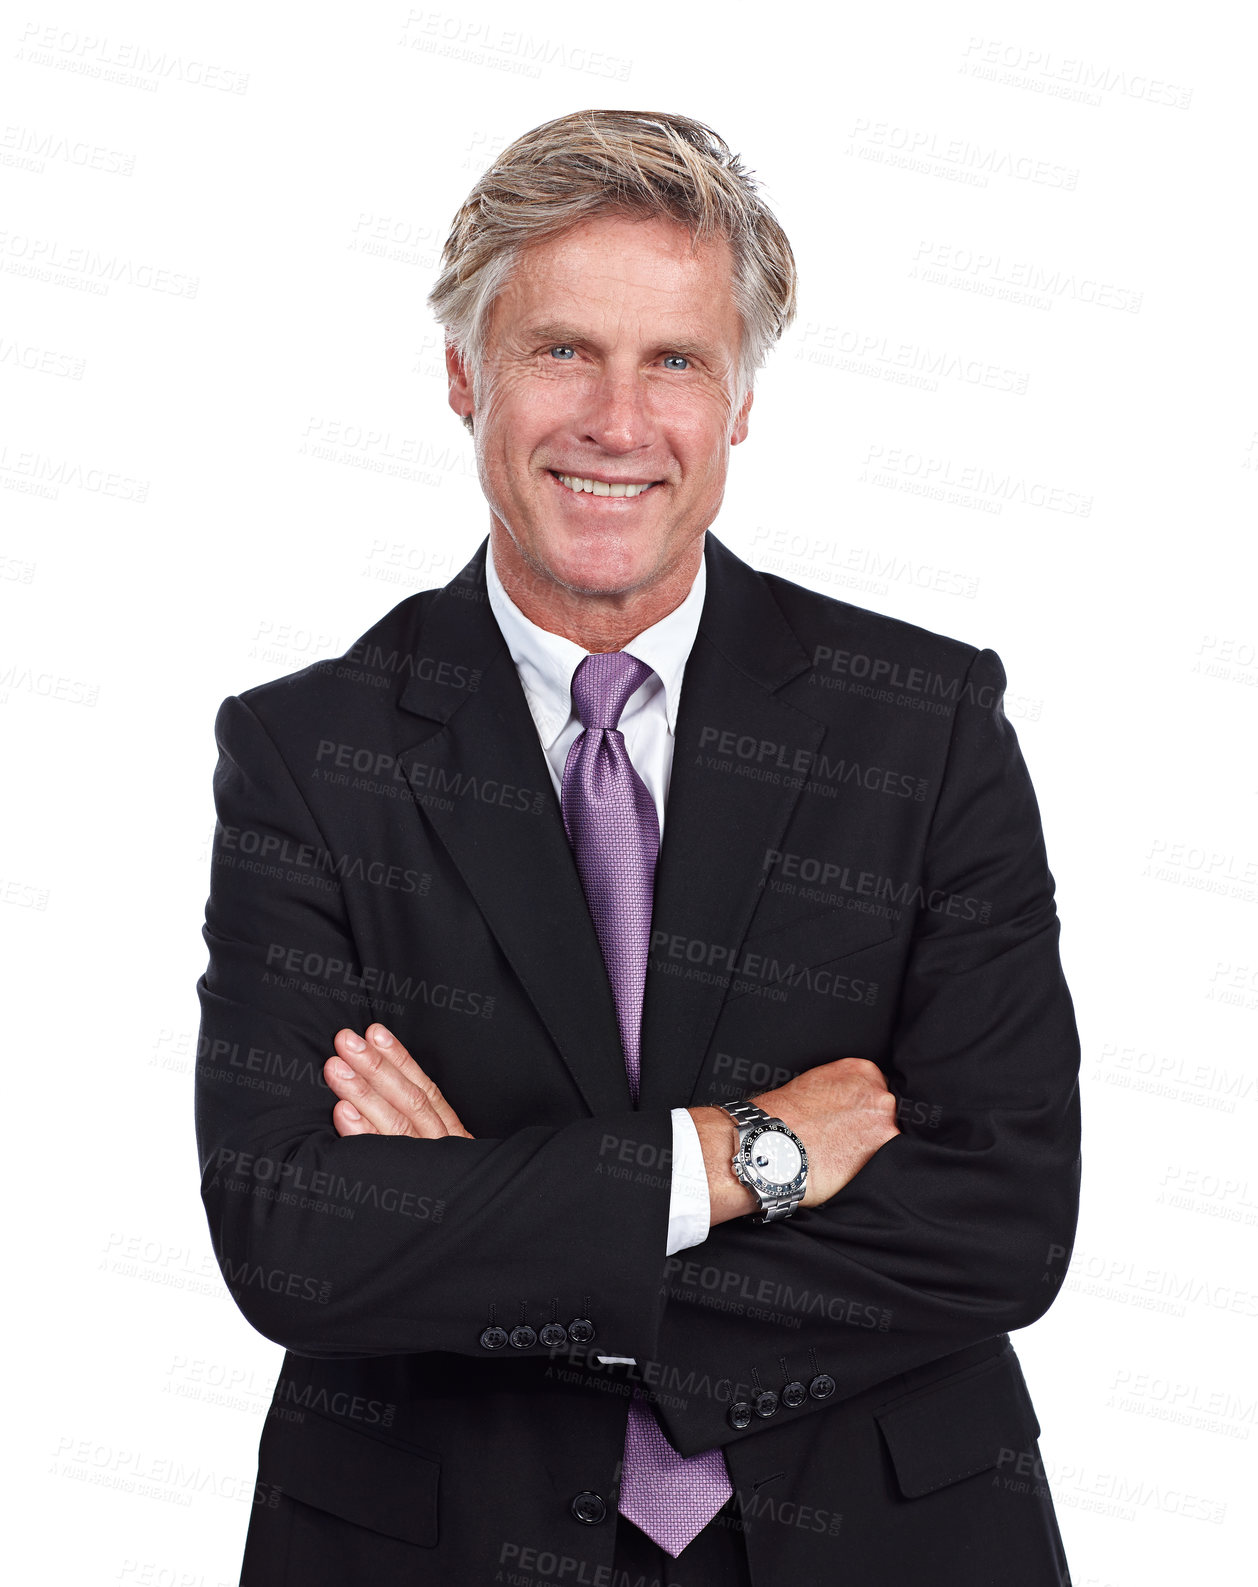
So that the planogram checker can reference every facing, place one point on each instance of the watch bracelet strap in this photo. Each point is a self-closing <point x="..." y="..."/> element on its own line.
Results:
<point x="775" y="1211"/>
<point x="746" y="1113"/>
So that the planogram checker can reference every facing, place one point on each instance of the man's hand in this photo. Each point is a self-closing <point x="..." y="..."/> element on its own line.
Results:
<point x="842" y="1112"/>
<point x="383" y="1091"/>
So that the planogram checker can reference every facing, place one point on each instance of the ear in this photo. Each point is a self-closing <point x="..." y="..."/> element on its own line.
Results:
<point x="739" y="432"/>
<point x="460" y="382"/>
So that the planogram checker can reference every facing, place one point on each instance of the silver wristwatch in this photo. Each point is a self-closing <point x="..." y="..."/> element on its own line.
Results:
<point x="770" y="1160"/>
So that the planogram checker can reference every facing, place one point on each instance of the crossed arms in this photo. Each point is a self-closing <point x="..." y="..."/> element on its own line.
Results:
<point x="842" y="1111"/>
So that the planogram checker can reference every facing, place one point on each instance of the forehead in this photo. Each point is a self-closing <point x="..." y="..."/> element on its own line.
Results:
<point x="633" y="269"/>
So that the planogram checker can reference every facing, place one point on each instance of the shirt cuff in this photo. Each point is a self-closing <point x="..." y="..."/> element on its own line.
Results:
<point x="689" y="1205"/>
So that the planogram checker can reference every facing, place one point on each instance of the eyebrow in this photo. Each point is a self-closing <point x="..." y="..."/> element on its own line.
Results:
<point x="566" y="336"/>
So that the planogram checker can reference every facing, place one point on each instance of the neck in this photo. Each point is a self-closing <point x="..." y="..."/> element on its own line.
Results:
<point x="596" y="622"/>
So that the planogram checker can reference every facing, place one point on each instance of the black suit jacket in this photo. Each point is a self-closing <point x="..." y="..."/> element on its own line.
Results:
<point x="852" y="864"/>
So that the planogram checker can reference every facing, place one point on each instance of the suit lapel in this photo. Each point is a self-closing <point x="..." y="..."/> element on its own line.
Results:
<point x="517" y="863"/>
<point x="718" y="824"/>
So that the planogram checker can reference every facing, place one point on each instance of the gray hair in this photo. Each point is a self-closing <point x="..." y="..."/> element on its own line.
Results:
<point x="600" y="162"/>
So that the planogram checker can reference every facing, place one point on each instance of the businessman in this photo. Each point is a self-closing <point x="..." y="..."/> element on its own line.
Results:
<point x="636" y="1084"/>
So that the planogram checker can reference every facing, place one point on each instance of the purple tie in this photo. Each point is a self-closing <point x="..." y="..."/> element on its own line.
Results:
<point x="609" y="816"/>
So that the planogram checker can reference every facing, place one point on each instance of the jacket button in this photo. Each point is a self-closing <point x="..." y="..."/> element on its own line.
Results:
<point x="740" y="1414"/>
<point x="589" y="1508"/>
<point x="522" y="1337"/>
<point x="553" y="1334"/>
<point x="493" y="1338"/>
<point x="765" y="1403"/>
<point x="580" y="1330"/>
<point x="822" y="1386"/>
<point x="793" y="1394"/>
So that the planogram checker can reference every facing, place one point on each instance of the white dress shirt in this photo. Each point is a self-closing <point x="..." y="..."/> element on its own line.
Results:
<point x="545" y="663"/>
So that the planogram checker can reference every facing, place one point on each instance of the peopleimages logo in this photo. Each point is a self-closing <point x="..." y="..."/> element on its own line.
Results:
<point x="912" y="680"/>
<point x="821" y="770"/>
<point x="869" y="884"/>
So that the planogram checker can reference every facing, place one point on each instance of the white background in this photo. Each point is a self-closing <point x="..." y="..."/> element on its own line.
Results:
<point x="1026" y="269"/>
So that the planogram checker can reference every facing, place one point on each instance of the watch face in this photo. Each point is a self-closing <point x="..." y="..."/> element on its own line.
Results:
<point x="774" y="1157"/>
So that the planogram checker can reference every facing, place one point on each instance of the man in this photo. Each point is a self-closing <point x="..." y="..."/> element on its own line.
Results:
<point x="608" y="864"/>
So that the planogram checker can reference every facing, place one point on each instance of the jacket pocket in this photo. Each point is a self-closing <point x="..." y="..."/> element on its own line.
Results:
<point x="968" y="1422"/>
<point x="778" y="953"/>
<point x="384" y="1487"/>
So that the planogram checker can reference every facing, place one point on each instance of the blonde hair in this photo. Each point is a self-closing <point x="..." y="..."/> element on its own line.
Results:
<point x="631" y="162"/>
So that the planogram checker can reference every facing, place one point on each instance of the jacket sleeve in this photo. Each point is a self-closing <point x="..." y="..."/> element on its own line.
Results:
<point x="374" y="1245"/>
<point x="959" y="1228"/>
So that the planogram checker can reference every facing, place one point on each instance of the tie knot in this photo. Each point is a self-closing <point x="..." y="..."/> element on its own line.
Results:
<point x="602" y="684"/>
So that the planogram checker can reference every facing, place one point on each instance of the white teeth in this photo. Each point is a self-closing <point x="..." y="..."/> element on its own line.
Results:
<point x="598" y="487"/>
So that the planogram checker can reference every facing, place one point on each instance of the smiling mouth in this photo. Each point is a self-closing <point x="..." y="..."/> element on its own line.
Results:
<point x="624" y="490"/>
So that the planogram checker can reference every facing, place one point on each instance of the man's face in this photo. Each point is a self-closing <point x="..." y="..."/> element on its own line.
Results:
<point x="610" y="356"/>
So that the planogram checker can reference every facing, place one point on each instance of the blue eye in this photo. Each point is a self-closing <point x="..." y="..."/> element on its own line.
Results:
<point x="678" y="357"/>
<point x="562" y="347"/>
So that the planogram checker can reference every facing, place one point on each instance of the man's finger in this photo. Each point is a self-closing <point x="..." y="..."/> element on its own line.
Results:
<point x="349" y="1121"/>
<point x="385" y="1042"/>
<point x="382" y="1096"/>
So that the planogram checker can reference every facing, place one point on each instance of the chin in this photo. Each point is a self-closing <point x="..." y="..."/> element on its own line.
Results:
<point x="599" y="564"/>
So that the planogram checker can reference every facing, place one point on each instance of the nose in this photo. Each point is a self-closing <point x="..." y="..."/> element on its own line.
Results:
<point x="618" y="416"/>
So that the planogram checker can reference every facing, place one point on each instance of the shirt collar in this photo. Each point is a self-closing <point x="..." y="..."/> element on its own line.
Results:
<point x="546" y="661"/>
